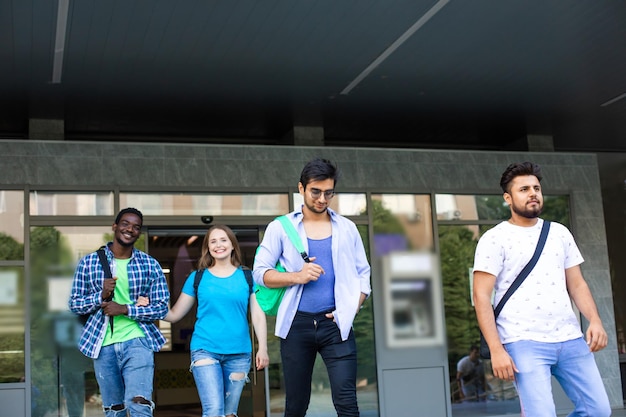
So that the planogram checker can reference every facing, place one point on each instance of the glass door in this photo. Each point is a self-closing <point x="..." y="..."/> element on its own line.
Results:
<point x="178" y="250"/>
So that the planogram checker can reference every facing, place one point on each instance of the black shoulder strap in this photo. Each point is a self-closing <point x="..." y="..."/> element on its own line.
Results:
<point x="529" y="267"/>
<point x="196" y="281"/>
<point x="107" y="271"/>
<point x="248" y="274"/>
<point x="105" y="262"/>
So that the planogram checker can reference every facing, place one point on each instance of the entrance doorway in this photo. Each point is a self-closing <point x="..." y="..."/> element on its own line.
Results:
<point x="178" y="250"/>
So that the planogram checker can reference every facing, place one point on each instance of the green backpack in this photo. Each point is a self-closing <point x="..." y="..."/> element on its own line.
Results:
<point x="269" y="298"/>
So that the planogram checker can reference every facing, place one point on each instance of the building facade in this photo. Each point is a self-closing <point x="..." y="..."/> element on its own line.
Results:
<point x="69" y="192"/>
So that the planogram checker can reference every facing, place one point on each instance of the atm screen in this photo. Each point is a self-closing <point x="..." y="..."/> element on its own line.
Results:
<point x="412" y="308"/>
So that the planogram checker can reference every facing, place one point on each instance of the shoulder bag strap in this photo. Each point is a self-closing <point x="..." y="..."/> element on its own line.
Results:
<point x="529" y="267"/>
<point x="292" y="233"/>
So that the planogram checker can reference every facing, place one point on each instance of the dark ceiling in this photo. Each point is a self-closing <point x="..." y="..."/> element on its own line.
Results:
<point x="461" y="73"/>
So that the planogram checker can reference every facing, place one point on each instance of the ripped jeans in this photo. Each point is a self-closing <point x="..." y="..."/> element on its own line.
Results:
<point x="124" y="372"/>
<point x="220" y="379"/>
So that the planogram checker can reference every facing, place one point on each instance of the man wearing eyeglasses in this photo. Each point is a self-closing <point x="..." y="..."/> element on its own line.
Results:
<point x="323" y="295"/>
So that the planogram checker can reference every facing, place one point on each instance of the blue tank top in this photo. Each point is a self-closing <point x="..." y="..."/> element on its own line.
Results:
<point x="319" y="296"/>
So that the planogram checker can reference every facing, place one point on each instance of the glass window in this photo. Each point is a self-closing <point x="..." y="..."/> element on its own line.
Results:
<point x="11" y="225"/>
<point x="62" y="375"/>
<point x="346" y="204"/>
<point x="12" y="319"/>
<point x="186" y="204"/>
<point x="50" y="203"/>
<point x="402" y="222"/>
<point x="493" y="207"/>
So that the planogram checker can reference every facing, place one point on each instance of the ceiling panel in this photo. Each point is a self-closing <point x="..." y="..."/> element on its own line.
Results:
<point x="476" y="74"/>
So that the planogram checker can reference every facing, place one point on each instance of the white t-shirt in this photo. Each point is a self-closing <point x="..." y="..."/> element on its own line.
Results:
<point x="540" y="309"/>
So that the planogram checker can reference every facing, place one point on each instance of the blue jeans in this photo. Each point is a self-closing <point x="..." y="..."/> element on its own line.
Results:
<point x="124" y="372"/>
<point x="572" y="364"/>
<point x="308" y="335"/>
<point x="220" y="380"/>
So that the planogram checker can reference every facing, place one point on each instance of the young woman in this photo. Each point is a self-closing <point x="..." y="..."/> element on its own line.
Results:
<point x="220" y="344"/>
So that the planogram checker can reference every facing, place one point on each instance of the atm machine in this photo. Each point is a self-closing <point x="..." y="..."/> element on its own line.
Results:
<point x="412" y="357"/>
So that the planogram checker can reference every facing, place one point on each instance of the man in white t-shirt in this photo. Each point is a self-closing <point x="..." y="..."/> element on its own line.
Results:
<point x="537" y="332"/>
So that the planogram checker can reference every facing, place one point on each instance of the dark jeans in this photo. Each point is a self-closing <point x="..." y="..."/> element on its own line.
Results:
<point x="310" y="334"/>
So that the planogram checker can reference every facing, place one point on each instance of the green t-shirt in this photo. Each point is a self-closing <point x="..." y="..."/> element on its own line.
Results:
<point x="123" y="328"/>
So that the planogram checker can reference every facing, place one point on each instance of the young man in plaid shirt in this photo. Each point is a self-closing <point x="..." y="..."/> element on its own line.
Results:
<point x="119" y="336"/>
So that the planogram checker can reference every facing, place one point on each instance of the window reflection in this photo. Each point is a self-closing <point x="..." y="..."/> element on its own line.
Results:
<point x="62" y="375"/>
<point x="187" y="204"/>
<point x="12" y="322"/>
<point x="50" y="203"/>
<point x="346" y="204"/>
<point x="492" y="207"/>
<point x="11" y="225"/>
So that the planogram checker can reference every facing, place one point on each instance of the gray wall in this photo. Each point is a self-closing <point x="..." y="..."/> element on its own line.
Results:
<point x="186" y="167"/>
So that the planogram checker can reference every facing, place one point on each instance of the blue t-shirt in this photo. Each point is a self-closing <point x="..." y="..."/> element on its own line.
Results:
<point x="222" y="317"/>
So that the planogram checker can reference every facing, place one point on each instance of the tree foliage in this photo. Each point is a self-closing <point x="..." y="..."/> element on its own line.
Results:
<point x="457" y="246"/>
<point x="10" y="249"/>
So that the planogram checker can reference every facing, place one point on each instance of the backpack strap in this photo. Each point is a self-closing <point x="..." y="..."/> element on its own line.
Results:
<point x="105" y="266"/>
<point x="107" y="274"/>
<point x="248" y="274"/>
<point x="196" y="281"/>
<point x="105" y="262"/>
<point x="293" y="235"/>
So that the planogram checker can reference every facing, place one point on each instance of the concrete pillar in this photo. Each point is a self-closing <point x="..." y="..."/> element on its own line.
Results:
<point x="540" y="143"/>
<point x="308" y="135"/>
<point x="46" y="129"/>
<point x="308" y="125"/>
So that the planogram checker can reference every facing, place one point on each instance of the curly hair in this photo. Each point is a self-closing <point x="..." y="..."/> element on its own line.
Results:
<point x="130" y="210"/>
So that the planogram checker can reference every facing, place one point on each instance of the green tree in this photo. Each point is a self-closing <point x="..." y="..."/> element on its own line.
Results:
<point x="556" y="208"/>
<point x="10" y="249"/>
<point x="492" y="207"/>
<point x="457" y="246"/>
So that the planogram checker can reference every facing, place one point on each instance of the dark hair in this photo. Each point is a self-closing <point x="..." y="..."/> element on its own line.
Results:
<point x="474" y="348"/>
<point x="128" y="210"/>
<point x="518" y="169"/>
<point x="206" y="260"/>
<point x="319" y="169"/>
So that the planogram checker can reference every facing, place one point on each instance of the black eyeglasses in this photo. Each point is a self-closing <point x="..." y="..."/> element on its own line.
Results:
<point x="328" y="194"/>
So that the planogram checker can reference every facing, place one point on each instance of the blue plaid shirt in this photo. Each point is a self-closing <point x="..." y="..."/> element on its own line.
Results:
<point x="145" y="277"/>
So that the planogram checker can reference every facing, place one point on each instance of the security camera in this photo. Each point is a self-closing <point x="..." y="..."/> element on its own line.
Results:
<point x="206" y="219"/>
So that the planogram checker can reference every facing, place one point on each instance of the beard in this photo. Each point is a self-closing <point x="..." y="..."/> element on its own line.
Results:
<point x="529" y="213"/>
<point x="311" y="206"/>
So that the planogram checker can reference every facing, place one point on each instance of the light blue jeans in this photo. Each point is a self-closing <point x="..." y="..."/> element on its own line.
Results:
<point x="220" y="380"/>
<point x="572" y="364"/>
<point x="124" y="372"/>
